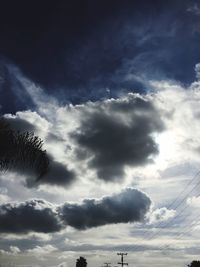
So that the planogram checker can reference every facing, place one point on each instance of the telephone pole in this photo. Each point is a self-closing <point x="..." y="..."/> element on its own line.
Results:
<point x="122" y="263"/>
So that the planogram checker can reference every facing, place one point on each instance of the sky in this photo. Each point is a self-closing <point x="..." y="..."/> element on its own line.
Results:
<point x="112" y="88"/>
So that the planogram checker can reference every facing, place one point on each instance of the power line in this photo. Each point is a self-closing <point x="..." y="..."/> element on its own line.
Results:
<point x="184" y="189"/>
<point x="177" y="206"/>
<point x="179" y="200"/>
<point x="187" y="228"/>
<point x="181" y="211"/>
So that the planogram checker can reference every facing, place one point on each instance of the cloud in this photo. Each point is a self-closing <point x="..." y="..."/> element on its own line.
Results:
<point x="161" y="214"/>
<point x="14" y="249"/>
<point x="33" y="215"/>
<point x="19" y="124"/>
<point x="195" y="9"/>
<point x="57" y="173"/>
<point x="135" y="49"/>
<point x="197" y="71"/>
<point x="128" y="206"/>
<point x="117" y="133"/>
<point x="194" y="202"/>
<point x="108" y="135"/>
<point x="164" y="49"/>
<point x="42" y="250"/>
<point x="40" y="216"/>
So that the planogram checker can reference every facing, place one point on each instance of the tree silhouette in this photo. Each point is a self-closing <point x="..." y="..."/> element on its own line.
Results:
<point x="21" y="151"/>
<point x="194" y="264"/>
<point x="81" y="262"/>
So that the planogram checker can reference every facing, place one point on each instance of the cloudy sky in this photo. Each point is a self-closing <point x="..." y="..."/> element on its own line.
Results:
<point x="113" y="90"/>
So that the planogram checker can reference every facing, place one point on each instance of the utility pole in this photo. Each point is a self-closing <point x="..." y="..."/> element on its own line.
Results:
<point x="122" y="263"/>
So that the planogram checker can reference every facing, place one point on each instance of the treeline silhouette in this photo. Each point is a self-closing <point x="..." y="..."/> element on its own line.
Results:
<point x="21" y="151"/>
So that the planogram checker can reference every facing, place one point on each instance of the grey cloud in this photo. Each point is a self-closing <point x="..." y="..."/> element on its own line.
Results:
<point x="117" y="134"/>
<point x="123" y="247"/>
<point x="23" y="243"/>
<point x="51" y="137"/>
<point x="129" y="206"/>
<point x="33" y="215"/>
<point x="19" y="124"/>
<point x="58" y="174"/>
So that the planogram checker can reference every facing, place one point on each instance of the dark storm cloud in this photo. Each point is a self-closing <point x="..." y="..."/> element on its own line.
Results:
<point x="34" y="215"/>
<point x="129" y="206"/>
<point x="40" y="216"/>
<point x="118" y="134"/>
<point x="58" y="174"/>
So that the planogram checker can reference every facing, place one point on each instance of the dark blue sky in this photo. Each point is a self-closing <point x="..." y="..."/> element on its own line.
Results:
<point x="87" y="50"/>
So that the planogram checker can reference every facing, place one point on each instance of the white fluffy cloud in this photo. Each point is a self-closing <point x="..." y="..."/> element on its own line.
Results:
<point x="160" y="215"/>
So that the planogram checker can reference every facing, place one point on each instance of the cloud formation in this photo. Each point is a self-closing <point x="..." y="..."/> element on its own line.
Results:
<point x="161" y="214"/>
<point x="106" y="136"/>
<point x="118" y="133"/>
<point x="18" y="124"/>
<point x="128" y="206"/>
<point x="33" y="215"/>
<point x="57" y="173"/>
